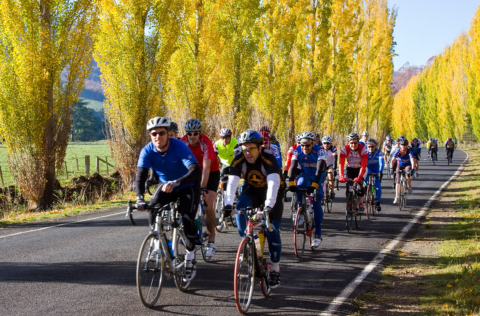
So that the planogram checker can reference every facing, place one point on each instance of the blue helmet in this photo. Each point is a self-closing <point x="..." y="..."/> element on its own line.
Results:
<point x="430" y="139"/>
<point x="250" y="136"/>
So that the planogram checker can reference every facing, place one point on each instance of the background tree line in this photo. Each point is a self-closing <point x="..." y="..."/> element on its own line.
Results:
<point x="444" y="100"/>
<point x="318" y="65"/>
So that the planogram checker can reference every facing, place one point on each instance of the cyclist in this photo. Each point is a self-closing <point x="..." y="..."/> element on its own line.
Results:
<point x="357" y="157"/>
<point x="317" y="139"/>
<point x="269" y="147"/>
<point x="202" y="149"/>
<point x="173" y="132"/>
<point x="263" y="185"/>
<point x="364" y="139"/>
<point x="312" y="160"/>
<point x="449" y="147"/>
<point x="225" y="148"/>
<point x="417" y="150"/>
<point x="290" y="152"/>
<point x="375" y="164"/>
<point x="274" y="141"/>
<point x="332" y="160"/>
<point x="179" y="174"/>
<point x="387" y="146"/>
<point x="406" y="162"/>
<point x="433" y="147"/>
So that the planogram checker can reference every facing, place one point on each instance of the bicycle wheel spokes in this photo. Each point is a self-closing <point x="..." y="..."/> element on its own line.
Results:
<point x="368" y="201"/>
<point x="150" y="264"/>
<point x="218" y="211"/>
<point x="357" y="214"/>
<point x="181" y="251"/>
<point x="299" y="233"/>
<point x="293" y="208"/>
<point x="266" y="290"/>
<point x="349" y="215"/>
<point x="244" y="275"/>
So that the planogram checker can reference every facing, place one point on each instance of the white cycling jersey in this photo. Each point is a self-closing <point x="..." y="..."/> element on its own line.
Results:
<point x="387" y="147"/>
<point x="330" y="155"/>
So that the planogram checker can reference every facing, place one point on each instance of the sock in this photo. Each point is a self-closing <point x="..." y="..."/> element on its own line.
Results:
<point x="276" y="266"/>
<point x="190" y="255"/>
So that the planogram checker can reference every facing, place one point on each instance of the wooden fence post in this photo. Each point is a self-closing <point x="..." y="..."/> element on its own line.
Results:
<point x="1" y="176"/>
<point x="98" y="165"/>
<point x="87" y="165"/>
<point x="106" y="159"/>
<point x="76" y="158"/>
<point x="66" y="170"/>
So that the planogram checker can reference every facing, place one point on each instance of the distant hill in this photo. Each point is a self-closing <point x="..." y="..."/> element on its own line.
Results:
<point x="93" y="89"/>
<point x="402" y="76"/>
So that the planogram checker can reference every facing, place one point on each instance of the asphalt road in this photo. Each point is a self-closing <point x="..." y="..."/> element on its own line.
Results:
<point x="87" y="265"/>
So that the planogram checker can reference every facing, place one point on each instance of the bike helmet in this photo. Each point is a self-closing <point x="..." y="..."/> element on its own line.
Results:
<point x="265" y="132"/>
<point x="317" y="135"/>
<point x="250" y="136"/>
<point x="225" y="132"/>
<point x="365" y="133"/>
<point x="403" y="141"/>
<point x="307" y="136"/>
<point x="389" y="138"/>
<point x="372" y="141"/>
<point x="265" y="129"/>
<point x="402" y="137"/>
<point x="326" y="139"/>
<point x="174" y="127"/>
<point x="353" y="136"/>
<point x="430" y="139"/>
<point x="297" y="139"/>
<point x="272" y="138"/>
<point x="193" y="125"/>
<point x="415" y="139"/>
<point x="158" y="122"/>
<point x="449" y="139"/>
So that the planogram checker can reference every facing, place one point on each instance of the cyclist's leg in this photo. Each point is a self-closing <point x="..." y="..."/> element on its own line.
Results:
<point x="161" y="198"/>
<point x="409" y="177"/>
<point x="273" y="238"/>
<point x="302" y="183"/>
<point x="212" y="186"/>
<point x="248" y="198"/>
<point x="318" y="212"/>
<point x="378" y="190"/>
<point x="189" y="199"/>
<point x="397" y="180"/>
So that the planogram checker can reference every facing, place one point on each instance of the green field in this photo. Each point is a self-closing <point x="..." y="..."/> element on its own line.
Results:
<point x="75" y="151"/>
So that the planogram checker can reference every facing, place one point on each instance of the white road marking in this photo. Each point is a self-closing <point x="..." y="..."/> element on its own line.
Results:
<point x="70" y="223"/>
<point x="348" y="290"/>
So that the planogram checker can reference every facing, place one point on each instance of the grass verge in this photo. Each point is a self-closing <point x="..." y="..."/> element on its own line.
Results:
<point x="438" y="271"/>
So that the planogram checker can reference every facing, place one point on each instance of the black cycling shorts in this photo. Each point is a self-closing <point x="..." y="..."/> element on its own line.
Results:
<point x="213" y="181"/>
<point x="399" y="170"/>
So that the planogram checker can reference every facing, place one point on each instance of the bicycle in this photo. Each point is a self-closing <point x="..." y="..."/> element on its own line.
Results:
<point x="389" y="161"/>
<point x="449" y="157"/>
<point x="219" y="204"/>
<point x="433" y="156"/>
<point x="148" y="184"/>
<point x="402" y="199"/>
<point x="371" y="194"/>
<point x="353" y="205"/>
<point x="202" y="233"/>
<point x="328" y="200"/>
<point x="250" y="261"/>
<point x="304" y="223"/>
<point x="160" y="256"/>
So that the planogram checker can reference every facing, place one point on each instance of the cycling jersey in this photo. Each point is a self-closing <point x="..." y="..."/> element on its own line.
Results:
<point x="331" y="156"/>
<point x="203" y="150"/>
<point x="404" y="159"/>
<point x="170" y="165"/>
<point x="308" y="162"/>
<point x="415" y="149"/>
<point x="226" y="153"/>
<point x="275" y="151"/>
<point x="355" y="158"/>
<point x="375" y="162"/>
<point x="432" y="145"/>
<point x="449" y="144"/>
<point x="290" y="152"/>
<point x="387" y="147"/>
<point x="394" y="151"/>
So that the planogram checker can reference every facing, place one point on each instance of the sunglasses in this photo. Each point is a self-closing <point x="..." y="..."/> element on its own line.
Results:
<point x="250" y="150"/>
<point x="193" y="133"/>
<point x="371" y="146"/>
<point x="326" y="143"/>
<point x="353" y="143"/>
<point x="154" y="134"/>
<point x="306" y="145"/>
<point x="225" y="137"/>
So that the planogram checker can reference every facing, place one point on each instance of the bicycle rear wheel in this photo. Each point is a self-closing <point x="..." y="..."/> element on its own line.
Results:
<point x="434" y="157"/>
<point x="349" y="215"/>
<point x="203" y="239"/>
<point x="150" y="265"/>
<point x="299" y="233"/>
<point x="357" y="215"/>
<point x="218" y="211"/>
<point x="328" y="199"/>
<point x="180" y="254"/>
<point x="244" y="275"/>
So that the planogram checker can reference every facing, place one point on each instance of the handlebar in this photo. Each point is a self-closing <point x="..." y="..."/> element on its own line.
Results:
<point x="251" y="212"/>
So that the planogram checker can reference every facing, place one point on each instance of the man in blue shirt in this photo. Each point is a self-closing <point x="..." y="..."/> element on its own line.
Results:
<point x="179" y="175"/>
<point x="312" y="159"/>
<point x="417" y="150"/>
<point x="375" y="165"/>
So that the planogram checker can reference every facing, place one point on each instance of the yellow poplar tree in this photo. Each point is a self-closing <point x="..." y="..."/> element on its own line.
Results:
<point x="39" y="40"/>
<point x="474" y="74"/>
<point x="134" y="45"/>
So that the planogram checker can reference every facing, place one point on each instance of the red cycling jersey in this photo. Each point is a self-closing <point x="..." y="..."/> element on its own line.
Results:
<point x="203" y="150"/>
<point x="289" y="156"/>
<point x="355" y="159"/>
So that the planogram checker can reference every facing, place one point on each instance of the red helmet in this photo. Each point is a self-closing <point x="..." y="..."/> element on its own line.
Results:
<point x="265" y="131"/>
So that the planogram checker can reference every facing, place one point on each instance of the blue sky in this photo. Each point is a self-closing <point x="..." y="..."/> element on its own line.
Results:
<point x="424" y="27"/>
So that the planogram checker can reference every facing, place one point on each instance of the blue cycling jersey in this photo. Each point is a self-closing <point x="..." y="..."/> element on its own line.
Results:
<point x="375" y="162"/>
<point x="308" y="162"/>
<point x="275" y="151"/>
<point x="170" y="165"/>
<point x="404" y="159"/>
<point x="415" y="149"/>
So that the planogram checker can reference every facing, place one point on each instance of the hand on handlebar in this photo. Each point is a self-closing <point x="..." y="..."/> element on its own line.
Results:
<point x="140" y="204"/>
<point x="342" y="179"/>
<point x="358" y="180"/>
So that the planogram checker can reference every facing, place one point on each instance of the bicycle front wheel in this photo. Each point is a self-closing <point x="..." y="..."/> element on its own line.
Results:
<point x="181" y="251"/>
<point x="358" y="216"/>
<point x="402" y="195"/>
<point x="244" y="275"/>
<point x="293" y="208"/>
<point x="129" y="213"/>
<point x="150" y="265"/>
<point x="203" y="239"/>
<point x="218" y="211"/>
<point x="299" y="233"/>
<point x="368" y="201"/>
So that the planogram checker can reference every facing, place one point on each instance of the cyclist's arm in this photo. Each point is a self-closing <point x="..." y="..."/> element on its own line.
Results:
<point x="321" y="169"/>
<point x="293" y="172"/>
<point x="289" y="159"/>
<point x="363" y="166"/>
<point x="140" y="178"/>
<point x="342" y="164"/>
<point x="232" y="186"/>
<point x="205" y="172"/>
<point x="381" y="161"/>
<point x="273" y="184"/>
<point x="194" y="173"/>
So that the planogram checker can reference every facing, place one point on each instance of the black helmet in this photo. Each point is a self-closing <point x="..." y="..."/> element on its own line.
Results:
<point x="250" y="136"/>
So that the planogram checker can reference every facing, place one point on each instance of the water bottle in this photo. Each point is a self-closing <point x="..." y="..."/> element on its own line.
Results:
<point x="258" y="247"/>
<point x="261" y="239"/>
<point x="169" y="243"/>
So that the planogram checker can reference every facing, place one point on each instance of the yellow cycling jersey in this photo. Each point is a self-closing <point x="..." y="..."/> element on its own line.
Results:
<point x="226" y="153"/>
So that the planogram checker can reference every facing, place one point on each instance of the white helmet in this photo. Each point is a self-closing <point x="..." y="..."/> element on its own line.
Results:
<point x="193" y="125"/>
<point x="307" y="136"/>
<point x="326" y="139"/>
<point x="158" y="122"/>
<point x="365" y="133"/>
